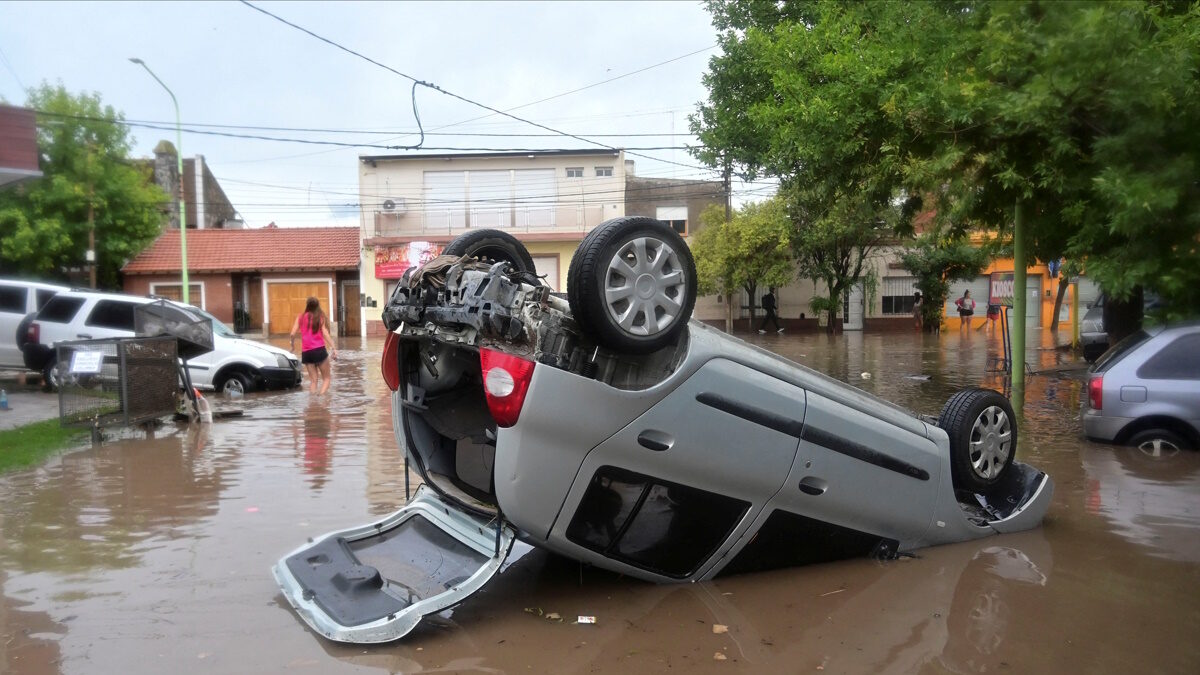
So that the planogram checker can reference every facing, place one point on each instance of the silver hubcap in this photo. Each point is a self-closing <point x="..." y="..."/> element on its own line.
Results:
<point x="991" y="442"/>
<point x="644" y="287"/>
<point x="1157" y="447"/>
<point x="233" y="386"/>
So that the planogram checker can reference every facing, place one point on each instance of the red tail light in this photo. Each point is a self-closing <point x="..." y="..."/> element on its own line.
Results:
<point x="33" y="334"/>
<point x="1096" y="392"/>
<point x="505" y="381"/>
<point x="391" y="361"/>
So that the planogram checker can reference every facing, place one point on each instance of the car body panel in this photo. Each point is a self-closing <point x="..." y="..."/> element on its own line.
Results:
<point x="1134" y="398"/>
<point x="11" y="316"/>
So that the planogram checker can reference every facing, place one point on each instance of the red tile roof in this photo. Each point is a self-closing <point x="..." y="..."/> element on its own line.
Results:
<point x="259" y="250"/>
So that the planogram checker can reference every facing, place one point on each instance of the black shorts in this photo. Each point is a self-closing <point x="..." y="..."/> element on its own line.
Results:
<point x="314" y="356"/>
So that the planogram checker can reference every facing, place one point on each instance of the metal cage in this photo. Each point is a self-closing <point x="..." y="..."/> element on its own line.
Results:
<point x="116" y="382"/>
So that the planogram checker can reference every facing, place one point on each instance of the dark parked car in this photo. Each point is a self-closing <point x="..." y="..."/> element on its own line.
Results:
<point x="608" y="428"/>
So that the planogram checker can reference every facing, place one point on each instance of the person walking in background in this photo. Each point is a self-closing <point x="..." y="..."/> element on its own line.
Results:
<point x="768" y="305"/>
<point x="966" y="309"/>
<point x="313" y="328"/>
<point x="917" y="309"/>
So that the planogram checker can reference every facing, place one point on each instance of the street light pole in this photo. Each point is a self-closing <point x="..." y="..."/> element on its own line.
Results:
<point x="179" y="160"/>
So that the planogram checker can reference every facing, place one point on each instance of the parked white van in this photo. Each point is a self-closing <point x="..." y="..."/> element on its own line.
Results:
<point x="235" y="365"/>
<point x="18" y="298"/>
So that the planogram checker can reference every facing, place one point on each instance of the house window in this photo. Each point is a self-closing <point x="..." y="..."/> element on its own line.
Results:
<point x="675" y="216"/>
<point x="174" y="291"/>
<point x="603" y="172"/>
<point x="574" y="172"/>
<point x="898" y="295"/>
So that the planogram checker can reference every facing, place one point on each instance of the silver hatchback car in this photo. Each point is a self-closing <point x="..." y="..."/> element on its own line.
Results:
<point x="1145" y="391"/>
<point x="608" y="427"/>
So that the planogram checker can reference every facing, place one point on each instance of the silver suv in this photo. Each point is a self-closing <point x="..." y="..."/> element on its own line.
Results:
<point x="1145" y="391"/>
<point x="607" y="427"/>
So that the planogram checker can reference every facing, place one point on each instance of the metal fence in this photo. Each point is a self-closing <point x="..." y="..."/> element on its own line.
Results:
<point x="116" y="382"/>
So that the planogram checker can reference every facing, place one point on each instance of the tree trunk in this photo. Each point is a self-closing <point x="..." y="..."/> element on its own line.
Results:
<point x="729" y="312"/>
<point x="1123" y="318"/>
<point x="1058" y="301"/>
<point x="752" y="291"/>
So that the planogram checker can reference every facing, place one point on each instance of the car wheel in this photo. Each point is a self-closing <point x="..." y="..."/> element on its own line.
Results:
<point x="235" y="384"/>
<point x="494" y="245"/>
<point x="51" y="375"/>
<point x="1158" y="442"/>
<point x="983" y="437"/>
<point x="632" y="284"/>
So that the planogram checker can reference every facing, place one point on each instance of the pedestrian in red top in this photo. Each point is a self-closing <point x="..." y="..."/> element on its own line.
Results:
<point x="314" y="338"/>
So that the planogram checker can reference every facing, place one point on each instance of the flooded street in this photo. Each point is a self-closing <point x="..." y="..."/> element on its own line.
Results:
<point x="148" y="556"/>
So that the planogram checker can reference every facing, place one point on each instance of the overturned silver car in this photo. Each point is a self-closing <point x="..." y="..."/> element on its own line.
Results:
<point x="610" y="428"/>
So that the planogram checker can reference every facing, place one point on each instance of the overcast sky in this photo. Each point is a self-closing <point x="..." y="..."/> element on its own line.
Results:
<point x="229" y="64"/>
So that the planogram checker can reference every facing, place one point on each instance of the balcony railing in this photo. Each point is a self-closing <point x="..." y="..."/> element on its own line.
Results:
<point x="441" y="223"/>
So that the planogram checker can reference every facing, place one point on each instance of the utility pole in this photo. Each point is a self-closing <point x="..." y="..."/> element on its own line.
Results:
<point x="1020" y="301"/>
<point x="91" y="250"/>
<point x="183" y="262"/>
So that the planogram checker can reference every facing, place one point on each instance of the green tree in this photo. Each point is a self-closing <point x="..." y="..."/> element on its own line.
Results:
<point x="753" y="249"/>
<point x="936" y="260"/>
<point x="84" y="158"/>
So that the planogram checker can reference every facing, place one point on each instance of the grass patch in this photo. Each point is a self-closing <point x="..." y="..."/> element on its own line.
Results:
<point x="29" y="445"/>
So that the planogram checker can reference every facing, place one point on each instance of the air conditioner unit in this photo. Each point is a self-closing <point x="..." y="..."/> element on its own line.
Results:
<point x="394" y="205"/>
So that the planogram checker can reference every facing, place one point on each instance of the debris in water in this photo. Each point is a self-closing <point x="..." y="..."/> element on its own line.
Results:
<point x="554" y="616"/>
<point x="720" y="628"/>
<point x="866" y="375"/>
<point x="586" y="619"/>
<point x="534" y="610"/>
<point x="832" y="592"/>
<point x="251" y="509"/>
<point x="719" y="657"/>
<point x="922" y="378"/>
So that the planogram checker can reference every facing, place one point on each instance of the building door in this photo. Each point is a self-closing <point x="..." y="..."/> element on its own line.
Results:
<point x="852" y="309"/>
<point x="1033" y="305"/>
<point x="286" y="301"/>
<point x="351" y="308"/>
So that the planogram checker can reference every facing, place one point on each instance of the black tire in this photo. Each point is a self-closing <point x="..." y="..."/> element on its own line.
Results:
<point x="669" y="292"/>
<point x="51" y="375"/>
<point x="983" y="437"/>
<point x="1158" y="442"/>
<point x="494" y="245"/>
<point x="235" y="382"/>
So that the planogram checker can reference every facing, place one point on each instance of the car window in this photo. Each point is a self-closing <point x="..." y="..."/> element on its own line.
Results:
<point x="112" y="314"/>
<point x="60" y="309"/>
<point x="1179" y="360"/>
<point x="12" y="299"/>
<point x="43" y="296"/>
<point x="1119" y="351"/>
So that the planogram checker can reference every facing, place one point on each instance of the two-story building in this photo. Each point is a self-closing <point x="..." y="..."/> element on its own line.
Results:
<point x="413" y="205"/>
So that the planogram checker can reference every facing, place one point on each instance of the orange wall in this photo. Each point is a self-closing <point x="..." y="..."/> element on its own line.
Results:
<point x="1047" y="300"/>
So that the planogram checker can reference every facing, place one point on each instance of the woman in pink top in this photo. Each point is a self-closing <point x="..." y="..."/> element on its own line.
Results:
<point x="314" y="338"/>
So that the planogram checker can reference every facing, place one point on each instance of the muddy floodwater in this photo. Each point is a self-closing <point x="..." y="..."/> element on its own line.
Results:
<point x="154" y="556"/>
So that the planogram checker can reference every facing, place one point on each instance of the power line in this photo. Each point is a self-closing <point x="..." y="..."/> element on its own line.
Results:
<point x="307" y="141"/>
<point x="445" y="92"/>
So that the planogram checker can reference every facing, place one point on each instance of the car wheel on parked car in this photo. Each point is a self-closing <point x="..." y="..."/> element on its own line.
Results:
<point x="493" y="245"/>
<point x="235" y="383"/>
<point x="632" y="284"/>
<point x="983" y="437"/>
<point x="1158" y="442"/>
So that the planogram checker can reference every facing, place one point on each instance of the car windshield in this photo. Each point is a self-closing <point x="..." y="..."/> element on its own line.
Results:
<point x="1119" y="350"/>
<point x="218" y="327"/>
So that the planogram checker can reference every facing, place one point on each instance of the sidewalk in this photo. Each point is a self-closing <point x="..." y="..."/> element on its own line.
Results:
<point x="26" y="407"/>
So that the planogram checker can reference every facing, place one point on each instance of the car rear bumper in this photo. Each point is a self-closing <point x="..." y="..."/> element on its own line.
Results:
<point x="279" y="378"/>
<point x="1100" y="427"/>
